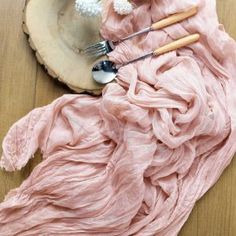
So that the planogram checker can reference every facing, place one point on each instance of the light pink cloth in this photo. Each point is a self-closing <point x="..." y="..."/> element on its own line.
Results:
<point x="134" y="161"/>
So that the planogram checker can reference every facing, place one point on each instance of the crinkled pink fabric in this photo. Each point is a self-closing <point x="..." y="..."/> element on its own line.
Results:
<point x="134" y="161"/>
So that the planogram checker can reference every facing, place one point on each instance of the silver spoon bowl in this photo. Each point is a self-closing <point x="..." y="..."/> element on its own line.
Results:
<point x="104" y="72"/>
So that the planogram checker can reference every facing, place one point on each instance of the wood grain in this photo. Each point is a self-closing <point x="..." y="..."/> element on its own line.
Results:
<point x="25" y="85"/>
<point x="57" y="34"/>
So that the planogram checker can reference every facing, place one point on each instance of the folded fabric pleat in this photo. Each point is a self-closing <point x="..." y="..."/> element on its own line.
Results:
<point x="134" y="161"/>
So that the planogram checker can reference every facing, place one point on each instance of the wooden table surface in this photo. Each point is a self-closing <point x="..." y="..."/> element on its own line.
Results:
<point x="25" y="85"/>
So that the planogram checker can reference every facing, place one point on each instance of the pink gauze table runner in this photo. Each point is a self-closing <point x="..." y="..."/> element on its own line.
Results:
<point x="134" y="161"/>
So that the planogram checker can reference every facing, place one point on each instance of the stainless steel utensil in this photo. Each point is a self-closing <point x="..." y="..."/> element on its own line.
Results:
<point x="105" y="71"/>
<point x="106" y="46"/>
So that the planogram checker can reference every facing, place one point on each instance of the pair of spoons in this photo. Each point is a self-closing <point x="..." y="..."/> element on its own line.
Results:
<point x="105" y="72"/>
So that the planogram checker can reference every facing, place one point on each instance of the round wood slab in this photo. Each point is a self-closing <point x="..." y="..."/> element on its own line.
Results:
<point x="58" y="33"/>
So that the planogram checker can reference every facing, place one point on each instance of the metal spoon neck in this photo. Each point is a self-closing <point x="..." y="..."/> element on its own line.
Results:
<point x="137" y="59"/>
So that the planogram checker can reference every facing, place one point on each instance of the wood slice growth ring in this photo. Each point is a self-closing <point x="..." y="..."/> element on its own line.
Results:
<point x="58" y="34"/>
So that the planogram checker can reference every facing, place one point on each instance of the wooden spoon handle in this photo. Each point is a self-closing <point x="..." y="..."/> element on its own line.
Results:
<point x="177" y="44"/>
<point x="174" y="19"/>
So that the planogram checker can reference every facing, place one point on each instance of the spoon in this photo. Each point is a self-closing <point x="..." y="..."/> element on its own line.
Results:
<point x="105" y="72"/>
